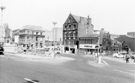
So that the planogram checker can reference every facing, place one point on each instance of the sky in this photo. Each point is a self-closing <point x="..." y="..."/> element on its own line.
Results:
<point x="115" y="16"/>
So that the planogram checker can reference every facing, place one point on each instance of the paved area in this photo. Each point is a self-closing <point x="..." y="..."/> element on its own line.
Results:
<point x="14" y="70"/>
<point x="46" y="59"/>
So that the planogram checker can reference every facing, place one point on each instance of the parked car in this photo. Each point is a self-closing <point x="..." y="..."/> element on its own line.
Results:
<point x="132" y="56"/>
<point x="118" y="55"/>
<point x="1" y="50"/>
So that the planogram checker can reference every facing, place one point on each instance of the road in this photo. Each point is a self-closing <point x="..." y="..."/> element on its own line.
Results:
<point x="14" y="69"/>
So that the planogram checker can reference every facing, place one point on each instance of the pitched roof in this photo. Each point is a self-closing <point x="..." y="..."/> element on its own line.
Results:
<point x="80" y="18"/>
<point x="77" y="18"/>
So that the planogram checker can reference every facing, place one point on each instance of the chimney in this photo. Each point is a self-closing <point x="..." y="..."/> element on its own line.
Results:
<point x="89" y="20"/>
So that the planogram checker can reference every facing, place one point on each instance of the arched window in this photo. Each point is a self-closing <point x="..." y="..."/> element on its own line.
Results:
<point x="69" y="27"/>
<point x="65" y="28"/>
<point x="75" y="26"/>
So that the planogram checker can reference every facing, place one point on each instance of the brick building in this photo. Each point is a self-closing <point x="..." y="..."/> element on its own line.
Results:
<point x="73" y="28"/>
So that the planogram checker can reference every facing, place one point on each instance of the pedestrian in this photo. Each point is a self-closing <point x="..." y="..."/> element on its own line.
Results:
<point x="127" y="58"/>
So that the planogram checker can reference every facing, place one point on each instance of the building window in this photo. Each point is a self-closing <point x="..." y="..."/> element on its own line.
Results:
<point x="69" y="27"/>
<point x="36" y="38"/>
<point x="36" y="44"/>
<point x="36" y="33"/>
<point x="27" y="37"/>
<point x="41" y="45"/>
<point x="75" y="26"/>
<point x="65" y="27"/>
<point x="28" y="32"/>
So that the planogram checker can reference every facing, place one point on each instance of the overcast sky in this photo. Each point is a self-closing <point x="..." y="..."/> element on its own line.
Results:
<point x="115" y="16"/>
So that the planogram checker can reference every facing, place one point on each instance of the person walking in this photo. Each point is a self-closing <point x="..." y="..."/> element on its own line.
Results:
<point x="127" y="58"/>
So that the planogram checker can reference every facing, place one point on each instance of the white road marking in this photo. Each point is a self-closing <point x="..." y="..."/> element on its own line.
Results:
<point x="105" y="62"/>
<point x="29" y="80"/>
<point x="123" y="72"/>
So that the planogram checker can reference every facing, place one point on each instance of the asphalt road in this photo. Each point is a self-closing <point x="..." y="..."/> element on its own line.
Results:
<point x="14" y="69"/>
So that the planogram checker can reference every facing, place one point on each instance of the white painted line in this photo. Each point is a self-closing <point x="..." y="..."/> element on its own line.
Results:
<point x="123" y="72"/>
<point x="29" y="80"/>
<point x="105" y="62"/>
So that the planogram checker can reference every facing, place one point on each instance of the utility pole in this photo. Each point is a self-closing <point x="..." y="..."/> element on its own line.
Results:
<point x="54" y="23"/>
<point x="99" y="44"/>
<point x="2" y="8"/>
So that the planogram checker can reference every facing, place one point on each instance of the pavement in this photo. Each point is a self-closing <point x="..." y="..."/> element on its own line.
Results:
<point x="15" y="70"/>
<point x="131" y="61"/>
<point x="47" y="59"/>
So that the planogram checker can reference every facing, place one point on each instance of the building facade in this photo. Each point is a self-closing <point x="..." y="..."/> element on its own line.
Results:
<point x="88" y="44"/>
<point x="57" y="34"/>
<point x="30" y="36"/>
<point x="48" y="35"/>
<point x="73" y="28"/>
<point x="130" y="41"/>
<point x="1" y="35"/>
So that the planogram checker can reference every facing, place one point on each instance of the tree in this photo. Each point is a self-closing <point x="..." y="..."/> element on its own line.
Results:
<point x="107" y="43"/>
<point x="125" y="46"/>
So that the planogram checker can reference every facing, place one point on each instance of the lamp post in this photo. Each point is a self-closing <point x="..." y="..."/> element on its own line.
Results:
<point x="54" y="23"/>
<point x="2" y="8"/>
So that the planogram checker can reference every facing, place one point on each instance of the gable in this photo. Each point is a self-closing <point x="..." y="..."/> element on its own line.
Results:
<point x="70" y="19"/>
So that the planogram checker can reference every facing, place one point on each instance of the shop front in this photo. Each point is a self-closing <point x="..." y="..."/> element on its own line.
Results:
<point x="87" y="48"/>
<point x="70" y="49"/>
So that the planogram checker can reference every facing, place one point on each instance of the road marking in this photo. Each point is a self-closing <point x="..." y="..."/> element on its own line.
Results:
<point x="123" y="72"/>
<point x="105" y="62"/>
<point x="31" y="81"/>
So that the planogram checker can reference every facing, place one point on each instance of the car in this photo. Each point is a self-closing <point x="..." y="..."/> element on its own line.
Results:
<point x="132" y="56"/>
<point x="118" y="55"/>
<point x="1" y="50"/>
<point x="57" y="50"/>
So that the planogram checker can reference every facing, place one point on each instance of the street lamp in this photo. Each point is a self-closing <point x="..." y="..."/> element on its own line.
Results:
<point x="54" y="23"/>
<point x="2" y="8"/>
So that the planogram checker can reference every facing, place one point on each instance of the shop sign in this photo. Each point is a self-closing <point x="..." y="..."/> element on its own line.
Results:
<point x="87" y="46"/>
<point x="73" y="46"/>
